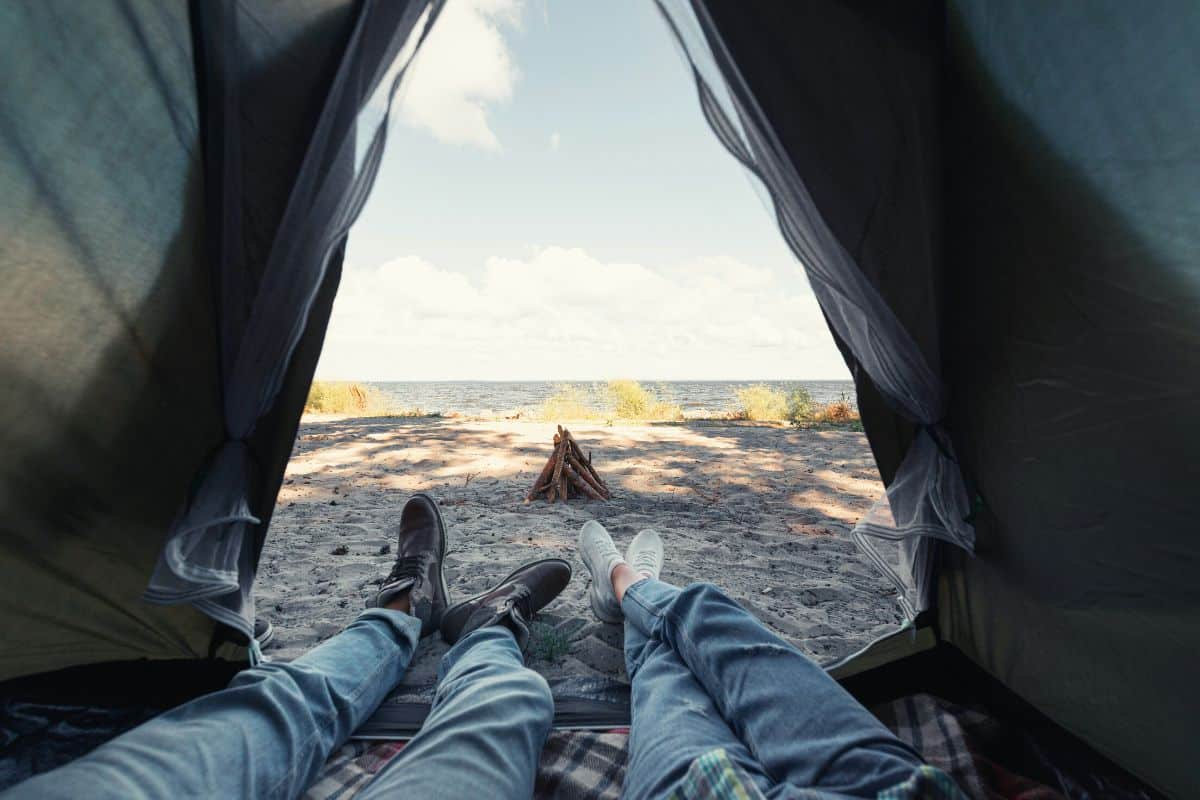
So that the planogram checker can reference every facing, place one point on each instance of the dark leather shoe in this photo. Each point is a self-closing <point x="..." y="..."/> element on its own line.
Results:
<point x="511" y="603"/>
<point x="420" y="549"/>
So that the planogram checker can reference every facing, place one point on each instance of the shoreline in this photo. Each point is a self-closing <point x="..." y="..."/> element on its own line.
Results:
<point x="615" y="400"/>
<point x="533" y="418"/>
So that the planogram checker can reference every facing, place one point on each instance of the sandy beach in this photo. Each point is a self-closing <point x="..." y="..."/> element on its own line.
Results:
<point x="764" y="511"/>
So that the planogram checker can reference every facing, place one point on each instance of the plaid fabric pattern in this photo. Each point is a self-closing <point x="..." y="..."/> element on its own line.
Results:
<point x="956" y="740"/>
<point x="583" y="765"/>
<point x="349" y="769"/>
<point x="927" y="783"/>
<point x="575" y="765"/>
<point x="713" y="776"/>
<point x="937" y="732"/>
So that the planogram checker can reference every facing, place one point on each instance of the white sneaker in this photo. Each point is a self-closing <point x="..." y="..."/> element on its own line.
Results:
<point x="645" y="553"/>
<point x="600" y="556"/>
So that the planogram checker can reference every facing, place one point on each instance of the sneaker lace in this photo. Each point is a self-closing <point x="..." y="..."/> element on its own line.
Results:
<point x="645" y="561"/>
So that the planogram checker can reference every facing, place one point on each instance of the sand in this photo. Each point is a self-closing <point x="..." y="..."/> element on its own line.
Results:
<point x="763" y="511"/>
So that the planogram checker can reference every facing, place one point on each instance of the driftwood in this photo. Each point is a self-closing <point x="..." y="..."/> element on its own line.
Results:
<point x="568" y="473"/>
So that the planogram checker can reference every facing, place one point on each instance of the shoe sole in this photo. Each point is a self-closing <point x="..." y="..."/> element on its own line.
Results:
<point x="463" y="603"/>
<point x="598" y="610"/>
<point x="437" y="513"/>
<point x="267" y="637"/>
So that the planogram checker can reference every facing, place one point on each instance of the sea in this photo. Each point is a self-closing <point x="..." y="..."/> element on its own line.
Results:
<point x="492" y="398"/>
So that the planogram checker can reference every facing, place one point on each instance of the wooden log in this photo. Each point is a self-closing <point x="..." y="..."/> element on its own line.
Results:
<point x="584" y="475"/>
<point x="539" y="485"/>
<point x="588" y="463"/>
<point x="581" y="485"/>
<point x="560" y="461"/>
<point x="566" y="451"/>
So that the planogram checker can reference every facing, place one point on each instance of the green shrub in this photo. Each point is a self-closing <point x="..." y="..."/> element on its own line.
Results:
<point x="761" y="403"/>
<point x="799" y="406"/>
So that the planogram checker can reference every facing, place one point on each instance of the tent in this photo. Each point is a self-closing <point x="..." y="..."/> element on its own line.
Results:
<point x="997" y="204"/>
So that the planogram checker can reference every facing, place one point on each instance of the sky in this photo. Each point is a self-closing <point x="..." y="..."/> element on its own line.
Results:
<point x="553" y="206"/>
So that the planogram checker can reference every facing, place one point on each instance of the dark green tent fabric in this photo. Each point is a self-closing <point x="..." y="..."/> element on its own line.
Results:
<point x="1072" y="166"/>
<point x="269" y="271"/>
<point x="1020" y="182"/>
<point x="107" y="342"/>
<point x="110" y="374"/>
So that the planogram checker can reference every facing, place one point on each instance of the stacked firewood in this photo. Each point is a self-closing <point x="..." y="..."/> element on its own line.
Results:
<point x="568" y="474"/>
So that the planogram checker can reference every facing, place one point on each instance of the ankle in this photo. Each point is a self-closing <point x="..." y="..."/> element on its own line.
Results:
<point x="400" y="603"/>
<point x="623" y="576"/>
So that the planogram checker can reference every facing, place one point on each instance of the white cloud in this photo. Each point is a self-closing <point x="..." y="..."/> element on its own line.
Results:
<point x="464" y="67"/>
<point x="555" y="140"/>
<point x="563" y="314"/>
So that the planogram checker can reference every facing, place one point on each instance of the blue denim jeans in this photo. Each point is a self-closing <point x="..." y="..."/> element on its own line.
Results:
<point x="270" y="731"/>
<point x="706" y="674"/>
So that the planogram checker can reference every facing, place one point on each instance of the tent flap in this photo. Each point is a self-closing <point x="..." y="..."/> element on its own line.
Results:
<point x="762" y="71"/>
<point x="209" y="555"/>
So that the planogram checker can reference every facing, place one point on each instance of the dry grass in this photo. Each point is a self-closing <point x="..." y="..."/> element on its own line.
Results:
<point x="839" y="412"/>
<point x="344" y="397"/>
<point x="619" y="400"/>
<point x="571" y="403"/>
<point x="630" y="400"/>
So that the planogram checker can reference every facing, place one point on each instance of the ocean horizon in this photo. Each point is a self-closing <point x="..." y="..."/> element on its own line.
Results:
<point x="493" y="398"/>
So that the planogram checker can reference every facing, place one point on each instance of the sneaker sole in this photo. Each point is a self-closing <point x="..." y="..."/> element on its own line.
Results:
<point x="598" y="609"/>
<point x="463" y="603"/>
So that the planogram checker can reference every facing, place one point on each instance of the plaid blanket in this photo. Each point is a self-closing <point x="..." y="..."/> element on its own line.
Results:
<point x="957" y="740"/>
<point x="582" y="765"/>
<point x="575" y="765"/>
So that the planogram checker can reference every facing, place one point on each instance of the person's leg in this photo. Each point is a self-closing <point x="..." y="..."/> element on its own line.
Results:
<point x="270" y="731"/>
<point x="266" y="735"/>
<point x="488" y="725"/>
<point x="491" y="715"/>
<point x="674" y="722"/>
<point x="799" y="724"/>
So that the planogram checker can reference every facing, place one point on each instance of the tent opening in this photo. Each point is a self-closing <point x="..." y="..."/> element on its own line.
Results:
<point x="554" y="238"/>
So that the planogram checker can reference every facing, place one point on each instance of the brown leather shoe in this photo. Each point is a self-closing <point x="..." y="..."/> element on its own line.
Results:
<point x="420" y="549"/>
<point x="511" y="603"/>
